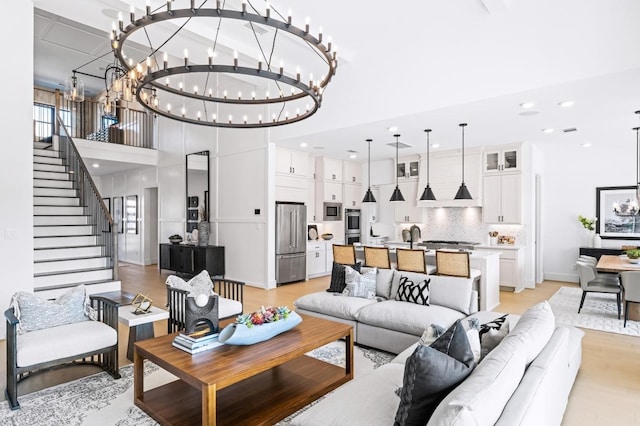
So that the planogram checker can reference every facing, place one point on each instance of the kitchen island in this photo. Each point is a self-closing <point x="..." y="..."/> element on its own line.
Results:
<point x="487" y="263"/>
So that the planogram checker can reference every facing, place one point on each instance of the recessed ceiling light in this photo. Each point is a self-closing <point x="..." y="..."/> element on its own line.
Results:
<point x="548" y="130"/>
<point x="528" y="113"/>
<point x="303" y="144"/>
<point x="96" y="165"/>
<point x="392" y="128"/>
<point x="435" y="145"/>
<point x="566" y="104"/>
<point x="352" y="156"/>
<point x="527" y="105"/>
<point x="586" y="145"/>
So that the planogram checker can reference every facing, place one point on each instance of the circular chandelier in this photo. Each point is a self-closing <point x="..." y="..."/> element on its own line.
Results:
<point x="235" y="83"/>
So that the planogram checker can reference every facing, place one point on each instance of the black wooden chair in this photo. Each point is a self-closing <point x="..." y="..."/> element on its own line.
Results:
<point x="230" y="302"/>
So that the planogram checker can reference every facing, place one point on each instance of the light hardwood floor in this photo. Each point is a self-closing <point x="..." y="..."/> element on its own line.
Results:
<point x="606" y="391"/>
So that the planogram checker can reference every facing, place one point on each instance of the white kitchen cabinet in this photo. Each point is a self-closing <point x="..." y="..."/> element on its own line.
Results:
<point x="511" y="265"/>
<point x="352" y="172"/>
<point x="328" y="191"/>
<point x="329" y="169"/>
<point x="408" y="168"/>
<point x="502" y="159"/>
<point x="316" y="259"/>
<point x="502" y="198"/>
<point x="353" y="195"/>
<point x="292" y="162"/>
<point x="407" y="210"/>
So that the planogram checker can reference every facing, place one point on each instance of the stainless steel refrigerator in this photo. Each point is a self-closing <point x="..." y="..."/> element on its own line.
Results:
<point x="291" y="242"/>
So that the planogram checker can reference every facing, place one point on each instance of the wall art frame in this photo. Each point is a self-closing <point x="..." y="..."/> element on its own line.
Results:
<point x="617" y="213"/>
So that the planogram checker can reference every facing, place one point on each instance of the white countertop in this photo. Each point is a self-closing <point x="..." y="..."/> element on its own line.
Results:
<point x="499" y="246"/>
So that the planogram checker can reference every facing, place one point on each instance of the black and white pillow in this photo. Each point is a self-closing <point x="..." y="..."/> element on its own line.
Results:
<point x="338" y="279"/>
<point x="408" y="291"/>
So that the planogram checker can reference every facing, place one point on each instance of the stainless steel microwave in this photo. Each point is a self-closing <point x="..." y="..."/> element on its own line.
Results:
<point x="332" y="211"/>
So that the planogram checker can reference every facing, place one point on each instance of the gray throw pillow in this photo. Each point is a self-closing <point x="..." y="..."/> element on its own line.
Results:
<point x="430" y="373"/>
<point x="37" y="313"/>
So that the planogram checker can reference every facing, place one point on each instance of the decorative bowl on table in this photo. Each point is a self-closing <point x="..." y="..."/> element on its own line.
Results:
<point x="634" y="260"/>
<point x="175" y="239"/>
<point x="326" y="236"/>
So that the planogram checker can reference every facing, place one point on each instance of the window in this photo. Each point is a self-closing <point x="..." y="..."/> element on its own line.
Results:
<point x="43" y="122"/>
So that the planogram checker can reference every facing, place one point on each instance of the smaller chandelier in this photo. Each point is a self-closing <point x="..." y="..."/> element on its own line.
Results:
<point x="202" y="86"/>
<point x="73" y="89"/>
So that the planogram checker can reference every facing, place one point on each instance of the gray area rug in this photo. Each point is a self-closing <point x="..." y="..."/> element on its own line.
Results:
<point x="99" y="400"/>
<point x="599" y="312"/>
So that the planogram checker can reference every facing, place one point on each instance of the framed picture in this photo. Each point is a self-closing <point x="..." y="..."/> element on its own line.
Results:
<point x="617" y="213"/>
<point x="118" y="213"/>
<point x="131" y="210"/>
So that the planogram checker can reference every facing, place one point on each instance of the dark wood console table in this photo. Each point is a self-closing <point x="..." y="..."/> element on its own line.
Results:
<point x="597" y="252"/>
<point x="191" y="259"/>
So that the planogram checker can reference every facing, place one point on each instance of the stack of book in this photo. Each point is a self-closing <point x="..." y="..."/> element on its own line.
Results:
<point x="198" y="341"/>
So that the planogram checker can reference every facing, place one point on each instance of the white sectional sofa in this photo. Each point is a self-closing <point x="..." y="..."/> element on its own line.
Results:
<point x="392" y="325"/>
<point x="525" y="380"/>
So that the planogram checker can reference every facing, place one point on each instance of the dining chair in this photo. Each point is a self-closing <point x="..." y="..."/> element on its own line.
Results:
<point x="377" y="257"/>
<point x="630" y="281"/>
<point x="609" y="277"/>
<point x="590" y="283"/>
<point x="411" y="260"/>
<point x="453" y="263"/>
<point x="344" y="254"/>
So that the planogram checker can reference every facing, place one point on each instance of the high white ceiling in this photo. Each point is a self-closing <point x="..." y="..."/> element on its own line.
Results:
<point x="428" y="64"/>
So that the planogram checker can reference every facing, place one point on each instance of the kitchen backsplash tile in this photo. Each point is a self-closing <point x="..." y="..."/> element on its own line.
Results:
<point x="465" y="224"/>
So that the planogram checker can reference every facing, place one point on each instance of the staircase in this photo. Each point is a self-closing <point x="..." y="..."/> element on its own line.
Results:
<point x="66" y="247"/>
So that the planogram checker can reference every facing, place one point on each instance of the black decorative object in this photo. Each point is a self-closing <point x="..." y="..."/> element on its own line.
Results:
<point x="196" y="315"/>
<point x="428" y="194"/>
<point x="368" y="196"/>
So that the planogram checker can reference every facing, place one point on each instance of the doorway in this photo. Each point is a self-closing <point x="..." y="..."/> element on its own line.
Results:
<point x="537" y="223"/>
<point x="150" y="225"/>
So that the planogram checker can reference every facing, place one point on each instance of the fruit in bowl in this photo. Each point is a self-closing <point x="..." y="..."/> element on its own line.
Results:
<point x="633" y="255"/>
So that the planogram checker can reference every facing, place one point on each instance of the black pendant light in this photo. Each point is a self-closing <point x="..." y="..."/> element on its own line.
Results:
<point x="368" y="196"/>
<point x="427" y="194"/>
<point x="397" y="195"/>
<point x="637" y="129"/>
<point x="463" y="192"/>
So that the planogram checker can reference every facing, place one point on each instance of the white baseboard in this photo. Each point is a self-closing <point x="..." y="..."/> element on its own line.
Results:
<point x="571" y="278"/>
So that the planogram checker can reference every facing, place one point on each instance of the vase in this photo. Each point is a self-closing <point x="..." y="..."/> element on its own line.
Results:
<point x="240" y="334"/>
<point x="203" y="233"/>
<point x="587" y="239"/>
<point x="597" y="241"/>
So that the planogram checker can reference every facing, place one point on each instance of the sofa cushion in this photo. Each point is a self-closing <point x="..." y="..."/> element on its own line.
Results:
<point x="535" y="328"/>
<point x="360" y="284"/>
<point x="431" y="372"/>
<point x="452" y="292"/>
<point x="338" y="278"/>
<point x="413" y="292"/>
<point x="491" y="337"/>
<point x="63" y="341"/>
<point x="480" y="399"/>
<point x="406" y="317"/>
<point x="333" y="304"/>
<point x="199" y="284"/>
<point x="37" y="313"/>
<point x="383" y="282"/>
<point x="376" y="402"/>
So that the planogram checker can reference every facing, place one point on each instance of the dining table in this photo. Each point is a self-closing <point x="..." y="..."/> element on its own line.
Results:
<point x="617" y="264"/>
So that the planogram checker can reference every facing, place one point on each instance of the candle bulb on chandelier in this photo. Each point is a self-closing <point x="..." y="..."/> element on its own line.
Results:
<point x="329" y="44"/>
<point x="198" y="115"/>
<point x="148" y="70"/>
<point x="310" y="81"/>
<point x="224" y="94"/>
<point x="230" y="119"/>
<point x="273" y="117"/>
<point x="120" y="23"/>
<point x="218" y="4"/>
<point x="239" y="95"/>
<point x="320" y="35"/>
<point x="289" y="17"/>
<point x="132" y="13"/>
<point x="169" y="6"/>
<point x="281" y="67"/>
<point x="260" y="118"/>
<point x="165" y="61"/>
<point x="235" y="58"/>
<point x="214" y="117"/>
<point x="268" y="10"/>
<point x="244" y="6"/>
<point x="298" y="74"/>
<point x="210" y="54"/>
<point x="244" y="118"/>
<point x="180" y="86"/>
<point x="169" y="108"/>
<point x="259" y="63"/>
<point x="148" y="7"/>
<point x="195" y="90"/>
<point x="186" y="57"/>
<point x="184" y="111"/>
<point x="166" y="82"/>
<point x="253" y="95"/>
<point x="297" y="112"/>
<point x="210" y="92"/>
<point x="307" y="110"/>
<point x="306" y="25"/>
<point x="193" y="5"/>
<point x="266" y="95"/>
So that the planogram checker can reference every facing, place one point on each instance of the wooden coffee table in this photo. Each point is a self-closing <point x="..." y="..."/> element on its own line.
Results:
<point x="259" y="384"/>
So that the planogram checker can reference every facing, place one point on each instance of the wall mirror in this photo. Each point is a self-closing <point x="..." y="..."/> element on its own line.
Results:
<point x="197" y="164"/>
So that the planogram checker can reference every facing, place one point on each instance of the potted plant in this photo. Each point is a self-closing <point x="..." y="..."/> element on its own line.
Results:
<point x="633" y="255"/>
<point x="590" y="226"/>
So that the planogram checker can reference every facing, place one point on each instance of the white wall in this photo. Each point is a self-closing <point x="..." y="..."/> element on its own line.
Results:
<point x="16" y="166"/>
<point x="571" y="175"/>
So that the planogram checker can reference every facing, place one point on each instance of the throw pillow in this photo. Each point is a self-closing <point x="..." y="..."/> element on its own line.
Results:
<point x="37" y="313"/>
<point x="360" y="284"/>
<point x="430" y="373"/>
<point x="431" y="333"/>
<point x="408" y="291"/>
<point x="338" y="278"/>
<point x="200" y="284"/>
<point x="472" y="326"/>
<point x="492" y="337"/>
